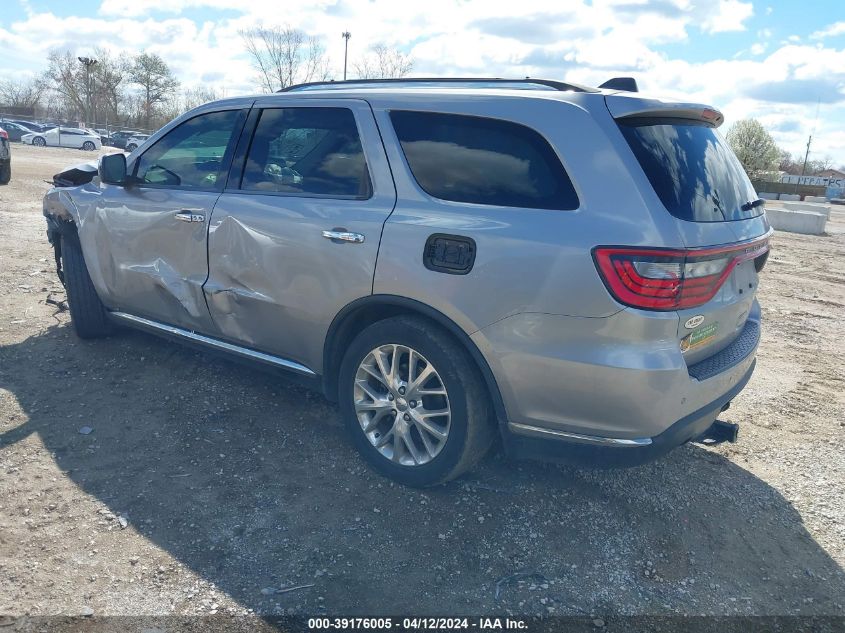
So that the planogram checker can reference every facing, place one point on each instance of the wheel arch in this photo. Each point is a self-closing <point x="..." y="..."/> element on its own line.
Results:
<point x="368" y="310"/>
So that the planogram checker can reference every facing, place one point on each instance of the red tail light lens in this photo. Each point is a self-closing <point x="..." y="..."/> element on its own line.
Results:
<point x="670" y="279"/>
<point x="4" y="134"/>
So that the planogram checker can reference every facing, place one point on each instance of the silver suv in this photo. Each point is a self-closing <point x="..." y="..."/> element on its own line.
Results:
<point x="568" y="268"/>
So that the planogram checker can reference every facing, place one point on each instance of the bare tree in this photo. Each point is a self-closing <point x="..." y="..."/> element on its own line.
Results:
<point x="158" y="85"/>
<point x="24" y="94"/>
<point x="383" y="62"/>
<point x="820" y="164"/>
<point x="109" y="80"/>
<point x="66" y="76"/>
<point x="197" y="96"/>
<point x="284" y="56"/>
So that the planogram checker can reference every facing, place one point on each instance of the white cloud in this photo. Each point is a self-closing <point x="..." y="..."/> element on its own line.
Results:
<point x="837" y="28"/>
<point x="728" y="16"/>
<point x="576" y="40"/>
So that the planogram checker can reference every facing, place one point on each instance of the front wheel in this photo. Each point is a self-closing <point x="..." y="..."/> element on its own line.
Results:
<point x="88" y="146"/>
<point x="87" y="313"/>
<point x="414" y="402"/>
<point x="39" y="141"/>
<point x="5" y="172"/>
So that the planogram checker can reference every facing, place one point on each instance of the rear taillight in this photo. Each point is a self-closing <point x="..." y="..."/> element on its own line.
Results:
<point x="4" y="134"/>
<point x="671" y="279"/>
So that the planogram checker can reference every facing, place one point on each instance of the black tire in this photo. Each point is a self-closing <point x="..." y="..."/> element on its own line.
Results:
<point x="472" y="429"/>
<point x="87" y="313"/>
<point x="88" y="146"/>
<point x="39" y="141"/>
<point x="131" y="148"/>
<point x="5" y="172"/>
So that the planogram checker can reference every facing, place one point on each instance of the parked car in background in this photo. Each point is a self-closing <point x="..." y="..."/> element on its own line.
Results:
<point x="15" y="130"/>
<point x="64" y="137"/>
<point x="119" y="138"/>
<point x="105" y="136"/>
<point x="32" y="125"/>
<point x="446" y="259"/>
<point x="133" y="142"/>
<point x="5" y="158"/>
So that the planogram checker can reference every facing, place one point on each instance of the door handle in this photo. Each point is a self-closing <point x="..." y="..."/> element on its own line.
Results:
<point x="190" y="215"/>
<point x="342" y="235"/>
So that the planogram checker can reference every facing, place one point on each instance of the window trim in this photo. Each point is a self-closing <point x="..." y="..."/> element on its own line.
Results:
<point x="421" y="190"/>
<point x="225" y="161"/>
<point x="234" y="183"/>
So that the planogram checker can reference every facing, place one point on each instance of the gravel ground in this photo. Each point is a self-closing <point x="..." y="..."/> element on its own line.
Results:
<point x="204" y="486"/>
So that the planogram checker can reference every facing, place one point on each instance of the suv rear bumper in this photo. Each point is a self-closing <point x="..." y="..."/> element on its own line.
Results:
<point x="581" y="389"/>
<point x="609" y="454"/>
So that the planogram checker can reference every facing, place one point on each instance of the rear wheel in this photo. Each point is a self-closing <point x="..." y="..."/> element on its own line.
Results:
<point x="39" y="141"/>
<point x="86" y="310"/>
<point x="5" y="172"/>
<point x="414" y="402"/>
<point x="131" y="147"/>
<point x="88" y="146"/>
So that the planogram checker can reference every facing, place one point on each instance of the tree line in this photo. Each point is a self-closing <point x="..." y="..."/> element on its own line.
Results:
<point x="105" y="88"/>
<point x="761" y="157"/>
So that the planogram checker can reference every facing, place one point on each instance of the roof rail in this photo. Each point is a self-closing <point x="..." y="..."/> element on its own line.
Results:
<point x="627" y="84"/>
<point x="483" y="82"/>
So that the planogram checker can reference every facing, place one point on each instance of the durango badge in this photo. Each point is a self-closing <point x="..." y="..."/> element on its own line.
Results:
<point x="694" y="322"/>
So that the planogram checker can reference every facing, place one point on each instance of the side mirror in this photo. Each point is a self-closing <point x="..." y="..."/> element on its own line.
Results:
<point x="112" y="169"/>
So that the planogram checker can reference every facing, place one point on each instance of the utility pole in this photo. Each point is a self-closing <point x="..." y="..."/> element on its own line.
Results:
<point x="346" y="35"/>
<point x="88" y="62"/>
<point x="810" y="140"/>
<point x="806" y="155"/>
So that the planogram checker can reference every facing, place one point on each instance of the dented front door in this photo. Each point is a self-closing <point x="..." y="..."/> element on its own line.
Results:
<point x="151" y="235"/>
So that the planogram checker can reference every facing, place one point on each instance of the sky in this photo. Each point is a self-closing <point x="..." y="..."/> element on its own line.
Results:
<point x="782" y="62"/>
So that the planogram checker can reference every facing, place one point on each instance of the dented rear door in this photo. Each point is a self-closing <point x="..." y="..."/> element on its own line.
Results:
<point x="295" y="235"/>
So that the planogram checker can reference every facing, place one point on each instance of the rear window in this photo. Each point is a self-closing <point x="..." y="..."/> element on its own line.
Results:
<point x="692" y="169"/>
<point x="483" y="161"/>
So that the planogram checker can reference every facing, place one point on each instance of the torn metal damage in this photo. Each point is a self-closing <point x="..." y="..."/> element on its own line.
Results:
<point x="126" y="273"/>
<point x="59" y="208"/>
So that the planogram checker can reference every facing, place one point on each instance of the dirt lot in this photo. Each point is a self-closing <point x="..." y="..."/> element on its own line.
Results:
<point x="204" y="484"/>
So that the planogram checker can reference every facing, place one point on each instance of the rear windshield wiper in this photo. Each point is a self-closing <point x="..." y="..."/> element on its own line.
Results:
<point x="751" y="205"/>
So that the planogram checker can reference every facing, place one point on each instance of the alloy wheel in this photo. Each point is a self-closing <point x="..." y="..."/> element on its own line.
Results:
<point x="402" y="405"/>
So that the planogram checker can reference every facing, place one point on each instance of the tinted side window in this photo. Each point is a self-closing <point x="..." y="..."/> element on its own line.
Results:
<point x="191" y="154"/>
<point x="484" y="161"/>
<point x="313" y="151"/>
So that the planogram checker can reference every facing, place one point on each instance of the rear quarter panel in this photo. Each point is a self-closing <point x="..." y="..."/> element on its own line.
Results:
<point x="528" y="260"/>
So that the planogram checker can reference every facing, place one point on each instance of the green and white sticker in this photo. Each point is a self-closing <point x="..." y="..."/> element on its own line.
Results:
<point x="699" y="337"/>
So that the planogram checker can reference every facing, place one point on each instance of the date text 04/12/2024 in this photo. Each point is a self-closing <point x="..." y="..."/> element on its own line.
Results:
<point x="414" y="624"/>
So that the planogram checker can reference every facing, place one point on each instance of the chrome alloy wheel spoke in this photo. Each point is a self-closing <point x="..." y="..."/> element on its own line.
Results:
<point x="402" y="404"/>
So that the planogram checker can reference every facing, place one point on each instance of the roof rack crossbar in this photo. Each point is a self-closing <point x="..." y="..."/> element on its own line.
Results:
<point x="550" y="83"/>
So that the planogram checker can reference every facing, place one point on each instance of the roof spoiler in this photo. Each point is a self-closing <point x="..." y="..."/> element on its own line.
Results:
<point x="628" y="107"/>
<point x="628" y="84"/>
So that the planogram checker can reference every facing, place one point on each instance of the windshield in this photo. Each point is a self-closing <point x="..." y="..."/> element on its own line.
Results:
<point x="693" y="170"/>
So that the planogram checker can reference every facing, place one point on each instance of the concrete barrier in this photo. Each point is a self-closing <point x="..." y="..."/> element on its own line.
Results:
<point x="806" y="222"/>
<point x="768" y="196"/>
<point x="813" y="207"/>
<point x="821" y="199"/>
<point x="790" y="196"/>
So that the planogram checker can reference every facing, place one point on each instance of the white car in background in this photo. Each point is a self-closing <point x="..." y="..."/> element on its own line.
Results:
<point x="64" y="137"/>
<point x="134" y="142"/>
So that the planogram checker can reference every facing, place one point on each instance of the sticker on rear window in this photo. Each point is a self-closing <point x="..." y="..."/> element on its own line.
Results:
<point x="700" y="337"/>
